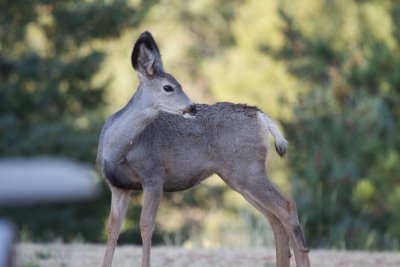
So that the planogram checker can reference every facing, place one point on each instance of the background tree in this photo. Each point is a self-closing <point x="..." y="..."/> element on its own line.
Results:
<point x="328" y="70"/>
<point x="344" y="134"/>
<point x="50" y="102"/>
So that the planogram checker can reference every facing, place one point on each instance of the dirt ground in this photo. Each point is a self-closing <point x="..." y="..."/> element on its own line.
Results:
<point x="84" y="255"/>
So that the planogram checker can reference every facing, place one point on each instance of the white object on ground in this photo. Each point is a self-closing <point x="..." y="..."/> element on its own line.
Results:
<point x="37" y="180"/>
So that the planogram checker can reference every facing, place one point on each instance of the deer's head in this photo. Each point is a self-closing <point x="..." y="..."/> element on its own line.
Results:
<point x="160" y="90"/>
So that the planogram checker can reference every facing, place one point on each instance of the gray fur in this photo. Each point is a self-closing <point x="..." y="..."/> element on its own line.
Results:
<point x="186" y="151"/>
<point x="150" y="145"/>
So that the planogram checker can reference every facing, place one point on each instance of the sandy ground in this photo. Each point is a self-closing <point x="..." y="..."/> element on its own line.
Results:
<point x="84" y="255"/>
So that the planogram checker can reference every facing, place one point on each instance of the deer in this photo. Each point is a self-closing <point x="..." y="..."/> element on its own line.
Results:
<point x="162" y="142"/>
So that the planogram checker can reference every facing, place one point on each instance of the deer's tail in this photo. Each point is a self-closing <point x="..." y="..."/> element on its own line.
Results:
<point x="281" y="144"/>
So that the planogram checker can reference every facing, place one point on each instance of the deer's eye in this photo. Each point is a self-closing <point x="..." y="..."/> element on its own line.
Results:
<point x="168" y="88"/>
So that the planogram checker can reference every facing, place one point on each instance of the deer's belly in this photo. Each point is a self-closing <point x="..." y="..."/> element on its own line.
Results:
<point x="185" y="181"/>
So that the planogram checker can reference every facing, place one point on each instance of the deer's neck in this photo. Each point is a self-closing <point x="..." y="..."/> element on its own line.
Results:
<point x="124" y="126"/>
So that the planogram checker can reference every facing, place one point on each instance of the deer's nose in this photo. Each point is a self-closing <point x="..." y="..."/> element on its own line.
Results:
<point x="192" y="110"/>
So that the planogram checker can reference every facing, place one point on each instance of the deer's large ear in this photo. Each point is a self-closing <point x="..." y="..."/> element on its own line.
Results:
<point x="146" y="57"/>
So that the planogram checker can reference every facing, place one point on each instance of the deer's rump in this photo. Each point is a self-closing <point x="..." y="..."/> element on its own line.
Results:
<point x="183" y="152"/>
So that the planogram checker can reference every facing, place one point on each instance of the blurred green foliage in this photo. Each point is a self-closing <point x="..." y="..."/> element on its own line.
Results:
<point x="50" y="103"/>
<point x="328" y="70"/>
<point x="344" y="134"/>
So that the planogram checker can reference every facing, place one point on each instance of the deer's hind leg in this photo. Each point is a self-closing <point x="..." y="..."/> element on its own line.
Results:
<point x="281" y="240"/>
<point x="281" y="213"/>
<point x="280" y="235"/>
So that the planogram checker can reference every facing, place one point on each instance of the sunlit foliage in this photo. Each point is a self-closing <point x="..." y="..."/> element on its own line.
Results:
<point x="329" y="71"/>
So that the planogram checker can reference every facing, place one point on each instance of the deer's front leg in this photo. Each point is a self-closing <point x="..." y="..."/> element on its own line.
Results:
<point x="119" y="206"/>
<point x="151" y="200"/>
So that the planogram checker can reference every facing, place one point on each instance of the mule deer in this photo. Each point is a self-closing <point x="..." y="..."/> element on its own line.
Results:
<point x="162" y="142"/>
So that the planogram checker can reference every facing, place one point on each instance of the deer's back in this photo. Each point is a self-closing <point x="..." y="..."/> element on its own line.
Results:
<point x="222" y="138"/>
